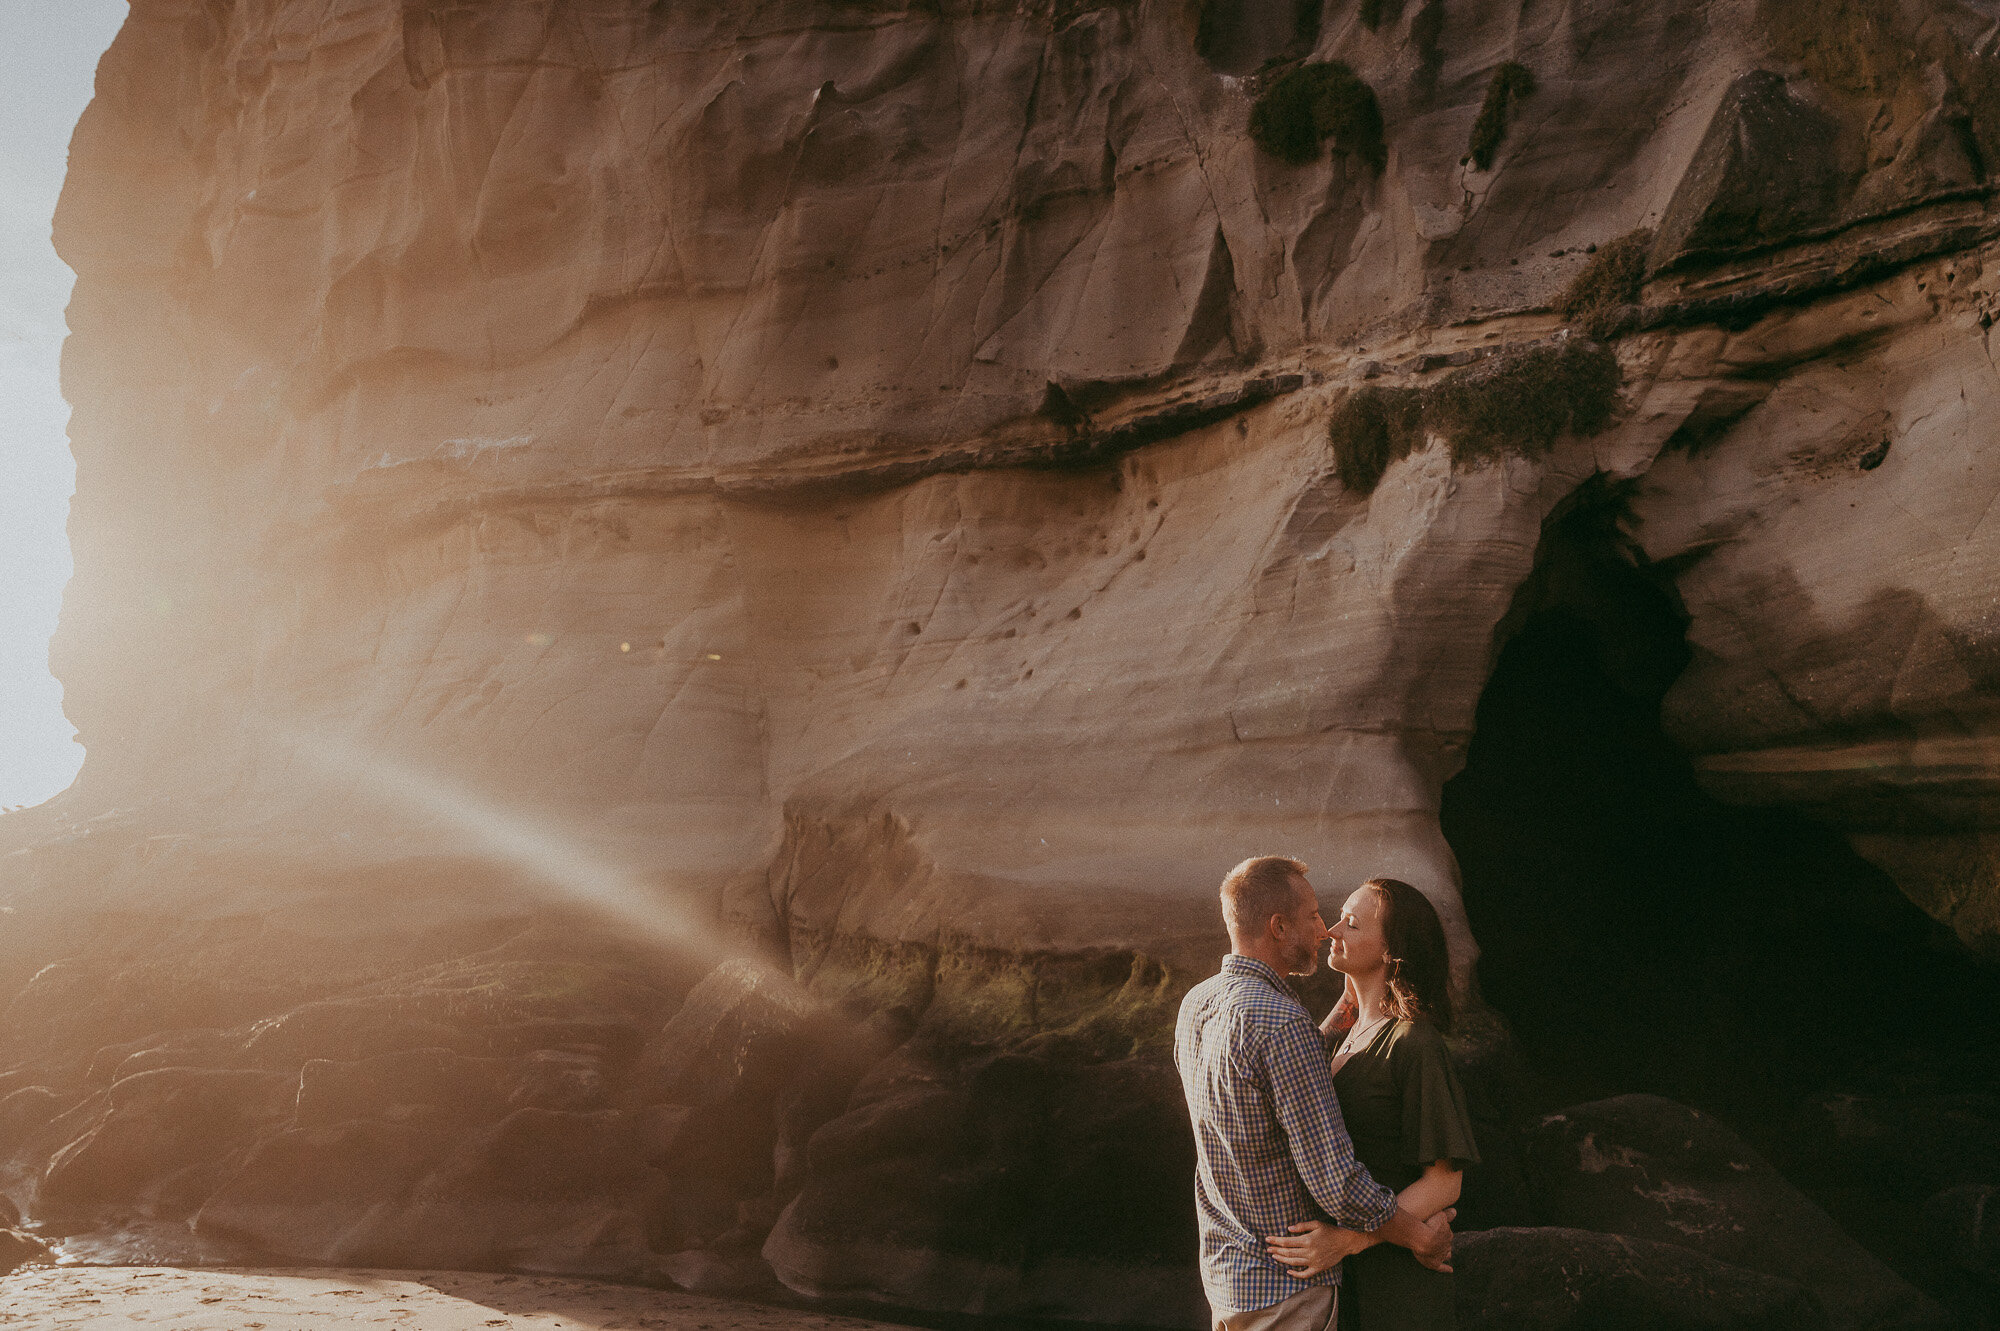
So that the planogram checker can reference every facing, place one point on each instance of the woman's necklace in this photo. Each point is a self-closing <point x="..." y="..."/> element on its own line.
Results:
<point x="1354" y="1040"/>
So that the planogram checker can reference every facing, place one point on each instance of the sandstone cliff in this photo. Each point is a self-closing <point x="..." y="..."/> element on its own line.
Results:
<point x="573" y="492"/>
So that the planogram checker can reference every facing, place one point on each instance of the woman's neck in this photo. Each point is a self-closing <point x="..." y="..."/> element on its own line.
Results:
<point x="1369" y="997"/>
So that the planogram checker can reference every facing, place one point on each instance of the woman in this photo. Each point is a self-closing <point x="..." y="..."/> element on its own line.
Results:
<point x="1402" y="1103"/>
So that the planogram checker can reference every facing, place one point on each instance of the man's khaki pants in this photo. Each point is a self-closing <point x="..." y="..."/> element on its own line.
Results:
<point x="1308" y="1310"/>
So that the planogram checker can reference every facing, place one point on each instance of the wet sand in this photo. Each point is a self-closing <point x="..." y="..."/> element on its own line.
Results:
<point x="308" y="1300"/>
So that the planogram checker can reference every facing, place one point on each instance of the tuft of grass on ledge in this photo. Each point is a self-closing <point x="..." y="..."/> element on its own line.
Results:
<point x="1372" y="429"/>
<point x="1520" y="404"/>
<point x="1511" y="82"/>
<point x="1307" y="105"/>
<point x="1610" y="281"/>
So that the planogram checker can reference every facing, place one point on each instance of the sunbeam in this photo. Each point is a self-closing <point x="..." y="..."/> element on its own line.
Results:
<point x="558" y="860"/>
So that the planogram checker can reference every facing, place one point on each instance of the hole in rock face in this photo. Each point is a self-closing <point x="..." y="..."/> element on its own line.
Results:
<point x="1641" y="936"/>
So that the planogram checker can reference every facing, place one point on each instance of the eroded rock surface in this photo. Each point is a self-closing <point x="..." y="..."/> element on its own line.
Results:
<point x="678" y="608"/>
<point x="1650" y="1169"/>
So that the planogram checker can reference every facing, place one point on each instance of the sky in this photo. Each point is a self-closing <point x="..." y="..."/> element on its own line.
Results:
<point x="48" y="54"/>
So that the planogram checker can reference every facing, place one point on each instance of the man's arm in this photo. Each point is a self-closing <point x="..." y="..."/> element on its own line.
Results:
<point x="1309" y="1112"/>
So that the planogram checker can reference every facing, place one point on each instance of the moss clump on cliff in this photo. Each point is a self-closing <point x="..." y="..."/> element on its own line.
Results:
<point x="1373" y="428"/>
<point x="1611" y="279"/>
<point x="1306" y="106"/>
<point x="1524" y="402"/>
<point x="1520" y="403"/>
<point x="1511" y="82"/>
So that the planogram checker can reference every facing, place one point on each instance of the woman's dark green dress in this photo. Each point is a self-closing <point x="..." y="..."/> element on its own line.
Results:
<point x="1405" y="1110"/>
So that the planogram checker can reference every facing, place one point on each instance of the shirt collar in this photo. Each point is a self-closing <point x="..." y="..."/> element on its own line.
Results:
<point x="1238" y="964"/>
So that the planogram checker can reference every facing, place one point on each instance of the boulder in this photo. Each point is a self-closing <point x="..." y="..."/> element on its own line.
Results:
<point x="1007" y="1187"/>
<point x="1771" y="167"/>
<point x="1649" y="1168"/>
<point x="18" y="1250"/>
<point x="308" y="1194"/>
<point x="1963" y="1224"/>
<point x="743" y="1034"/>
<point x="1556" y="1279"/>
<point x="160" y="1142"/>
<point x="542" y="1190"/>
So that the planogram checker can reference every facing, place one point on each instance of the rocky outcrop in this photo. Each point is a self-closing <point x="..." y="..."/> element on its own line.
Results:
<point x="1550" y="1278"/>
<point x="1650" y="1169"/>
<point x="571" y="499"/>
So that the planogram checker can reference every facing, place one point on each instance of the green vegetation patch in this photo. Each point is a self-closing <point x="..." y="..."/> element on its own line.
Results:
<point x="1520" y="403"/>
<point x="1371" y="429"/>
<point x="1511" y="82"/>
<point x="1307" y="105"/>
<point x="1610" y="280"/>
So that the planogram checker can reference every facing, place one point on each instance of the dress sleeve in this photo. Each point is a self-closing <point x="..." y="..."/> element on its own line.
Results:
<point x="1436" y="1125"/>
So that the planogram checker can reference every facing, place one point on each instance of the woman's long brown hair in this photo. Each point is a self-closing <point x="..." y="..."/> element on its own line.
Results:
<point x="1419" y="959"/>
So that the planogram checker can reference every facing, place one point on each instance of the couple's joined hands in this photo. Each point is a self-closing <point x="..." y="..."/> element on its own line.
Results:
<point x="1314" y="1246"/>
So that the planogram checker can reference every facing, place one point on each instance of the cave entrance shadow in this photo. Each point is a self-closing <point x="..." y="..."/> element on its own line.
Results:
<point x="1640" y="935"/>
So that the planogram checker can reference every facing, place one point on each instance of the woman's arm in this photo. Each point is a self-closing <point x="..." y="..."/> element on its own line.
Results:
<point x="1437" y="1189"/>
<point x="1341" y="1019"/>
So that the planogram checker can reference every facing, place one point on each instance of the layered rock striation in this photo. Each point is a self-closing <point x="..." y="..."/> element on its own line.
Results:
<point x="679" y="608"/>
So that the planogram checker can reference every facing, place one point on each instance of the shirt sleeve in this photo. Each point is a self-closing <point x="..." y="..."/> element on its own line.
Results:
<point x="1436" y="1125"/>
<point x="1309" y="1114"/>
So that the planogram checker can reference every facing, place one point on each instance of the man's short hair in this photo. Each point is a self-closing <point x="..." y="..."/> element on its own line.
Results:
<point x="1257" y="889"/>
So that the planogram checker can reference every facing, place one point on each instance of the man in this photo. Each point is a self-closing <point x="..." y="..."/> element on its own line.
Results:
<point x="1270" y="1147"/>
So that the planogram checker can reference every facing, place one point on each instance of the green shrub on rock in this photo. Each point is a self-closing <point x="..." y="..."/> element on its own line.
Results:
<point x="1611" y="279"/>
<point x="1311" y="103"/>
<point x="1511" y="82"/>
<point x="1519" y="403"/>
<point x="1370" y="429"/>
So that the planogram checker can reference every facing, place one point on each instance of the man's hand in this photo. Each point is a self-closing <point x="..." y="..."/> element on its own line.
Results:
<point x="1434" y="1248"/>
<point x="1318" y="1246"/>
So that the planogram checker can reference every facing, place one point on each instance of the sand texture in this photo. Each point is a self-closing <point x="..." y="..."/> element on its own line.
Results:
<point x="280" y="1300"/>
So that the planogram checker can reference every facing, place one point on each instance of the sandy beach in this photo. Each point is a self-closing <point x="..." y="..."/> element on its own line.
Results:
<point x="306" y="1300"/>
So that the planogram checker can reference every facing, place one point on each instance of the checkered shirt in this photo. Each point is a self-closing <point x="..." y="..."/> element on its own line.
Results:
<point x="1270" y="1147"/>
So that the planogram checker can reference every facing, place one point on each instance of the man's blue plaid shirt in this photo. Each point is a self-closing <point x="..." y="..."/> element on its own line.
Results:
<point x="1270" y="1147"/>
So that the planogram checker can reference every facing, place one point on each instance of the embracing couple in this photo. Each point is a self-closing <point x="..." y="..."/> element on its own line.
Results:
<point x="1331" y="1149"/>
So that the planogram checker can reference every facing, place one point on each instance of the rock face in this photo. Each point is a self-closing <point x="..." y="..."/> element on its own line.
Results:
<point x="573" y="497"/>
<point x="1531" y="1279"/>
<point x="1650" y="1169"/>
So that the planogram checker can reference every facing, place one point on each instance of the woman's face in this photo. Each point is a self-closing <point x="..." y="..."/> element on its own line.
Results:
<point x="1358" y="947"/>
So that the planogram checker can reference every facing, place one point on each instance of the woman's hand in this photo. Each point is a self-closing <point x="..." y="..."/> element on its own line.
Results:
<point x="1341" y="1020"/>
<point x="1315" y="1246"/>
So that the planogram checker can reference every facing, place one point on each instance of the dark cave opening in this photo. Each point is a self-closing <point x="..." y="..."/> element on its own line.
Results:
<point x="1639" y="935"/>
